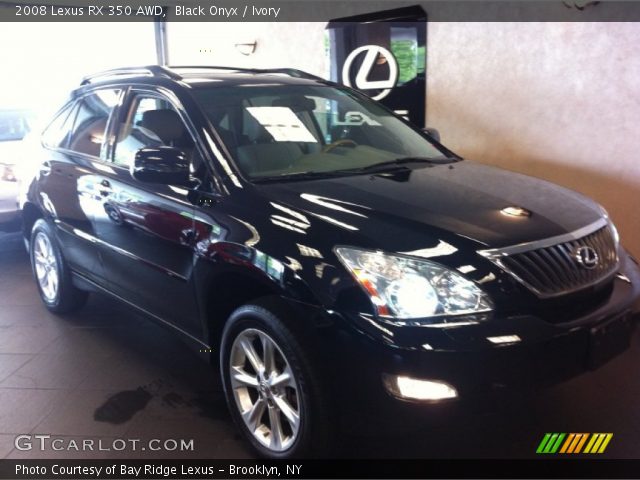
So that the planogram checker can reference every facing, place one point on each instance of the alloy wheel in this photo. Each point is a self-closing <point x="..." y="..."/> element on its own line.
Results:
<point x="265" y="390"/>
<point x="46" y="266"/>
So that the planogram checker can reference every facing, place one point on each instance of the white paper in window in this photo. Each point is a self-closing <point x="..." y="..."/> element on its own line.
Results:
<point x="282" y="124"/>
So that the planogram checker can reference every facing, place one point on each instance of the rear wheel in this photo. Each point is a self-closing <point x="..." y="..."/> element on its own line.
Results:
<point x="51" y="272"/>
<point x="272" y="391"/>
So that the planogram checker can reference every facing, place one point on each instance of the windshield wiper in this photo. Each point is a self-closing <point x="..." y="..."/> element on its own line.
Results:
<point x="381" y="166"/>
<point x="297" y="176"/>
<point x="404" y="160"/>
<point x="398" y="162"/>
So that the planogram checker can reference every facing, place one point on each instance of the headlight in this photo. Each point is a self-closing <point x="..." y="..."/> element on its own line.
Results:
<point x="406" y="288"/>
<point x="7" y="174"/>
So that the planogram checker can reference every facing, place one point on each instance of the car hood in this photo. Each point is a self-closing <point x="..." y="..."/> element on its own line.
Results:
<point x="462" y="198"/>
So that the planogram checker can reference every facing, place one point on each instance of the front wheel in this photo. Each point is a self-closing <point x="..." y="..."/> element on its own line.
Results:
<point x="273" y="394"/>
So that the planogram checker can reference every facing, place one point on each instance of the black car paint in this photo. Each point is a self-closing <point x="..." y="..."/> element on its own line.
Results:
<point x="178" y="254"/>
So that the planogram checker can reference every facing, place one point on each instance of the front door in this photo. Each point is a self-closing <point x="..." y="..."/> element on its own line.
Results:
<point x="146" y="230"/>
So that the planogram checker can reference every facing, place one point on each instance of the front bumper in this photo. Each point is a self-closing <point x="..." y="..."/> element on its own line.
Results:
<point x="466" y="359"/>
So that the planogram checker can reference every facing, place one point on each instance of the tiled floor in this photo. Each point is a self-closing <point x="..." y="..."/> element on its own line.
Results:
<point x="106" y="373"/>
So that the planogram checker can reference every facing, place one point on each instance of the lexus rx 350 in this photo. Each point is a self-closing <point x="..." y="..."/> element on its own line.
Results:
<point x="329" y="258"/>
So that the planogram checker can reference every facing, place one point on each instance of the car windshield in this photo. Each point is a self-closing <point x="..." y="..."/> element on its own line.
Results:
<point x="289" y="131"/>
<point x="14" y="125"/>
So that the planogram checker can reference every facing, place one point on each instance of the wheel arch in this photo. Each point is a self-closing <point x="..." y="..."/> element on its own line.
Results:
<point x="230" y="290"/>
<point x="224" y="294"/>
<point x="30" y="214"/>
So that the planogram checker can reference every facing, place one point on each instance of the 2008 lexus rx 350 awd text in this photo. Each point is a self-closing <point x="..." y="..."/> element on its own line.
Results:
<point x="330" y="259"/>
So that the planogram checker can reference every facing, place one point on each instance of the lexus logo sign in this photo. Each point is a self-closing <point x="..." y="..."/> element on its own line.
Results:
<point x="587" y="257"/>
<point x="371" y="55"/>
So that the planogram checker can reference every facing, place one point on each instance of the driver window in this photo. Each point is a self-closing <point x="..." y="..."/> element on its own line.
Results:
<point x="153" y="122"/>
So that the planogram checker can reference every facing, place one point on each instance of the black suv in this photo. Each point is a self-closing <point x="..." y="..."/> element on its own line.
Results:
<point x="331" y="259"/>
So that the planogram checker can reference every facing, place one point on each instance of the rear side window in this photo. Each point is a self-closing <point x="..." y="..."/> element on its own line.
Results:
<point x="56" y="134"/>
<point x="90" y="120"/>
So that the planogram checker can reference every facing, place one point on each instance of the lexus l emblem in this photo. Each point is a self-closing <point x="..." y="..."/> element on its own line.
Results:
<point x="372" y="56"/>
<point x="586" y="257"/>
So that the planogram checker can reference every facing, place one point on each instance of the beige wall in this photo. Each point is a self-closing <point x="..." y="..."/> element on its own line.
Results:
<point x="556" y="101"/>
<point x="559" y="101"/>
<point x="297" y="45"/>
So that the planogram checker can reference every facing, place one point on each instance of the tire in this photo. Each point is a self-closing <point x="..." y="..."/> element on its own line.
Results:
<point x="52" y="275"/>
<point x="256" y="324"/>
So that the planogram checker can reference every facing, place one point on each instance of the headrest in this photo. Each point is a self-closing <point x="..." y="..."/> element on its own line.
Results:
<point x="297" y="103"/>
<point x="166" y="124"/>
<point x="89" y="138"/>
<point x="96" y="126"/>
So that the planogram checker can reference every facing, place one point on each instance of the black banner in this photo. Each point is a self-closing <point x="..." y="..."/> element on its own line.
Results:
<point x="383" y="54"/>
<point x="303" y="469"/>
<point x="314" y="10"/>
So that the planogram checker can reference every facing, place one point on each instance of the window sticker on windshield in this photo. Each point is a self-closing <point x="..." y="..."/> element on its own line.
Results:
<point x="355" y="119"/>
<point x="282" y="123"/>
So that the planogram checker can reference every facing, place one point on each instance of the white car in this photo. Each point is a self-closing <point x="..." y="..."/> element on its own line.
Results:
<point x="14" y="125"/>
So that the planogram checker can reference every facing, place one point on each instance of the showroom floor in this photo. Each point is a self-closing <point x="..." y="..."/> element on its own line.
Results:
<point x="107" y="373"/>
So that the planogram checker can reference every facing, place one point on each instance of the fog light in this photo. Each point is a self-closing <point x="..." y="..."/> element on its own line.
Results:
<point x="503" y="339"/>
<point x="416" y="389"/>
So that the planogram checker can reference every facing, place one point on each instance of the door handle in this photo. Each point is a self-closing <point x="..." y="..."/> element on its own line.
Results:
<point x="105" y="188"/>
<point x="187" y="236"/>
<point x="203" y="199"/>
<point x="45" y="167"/>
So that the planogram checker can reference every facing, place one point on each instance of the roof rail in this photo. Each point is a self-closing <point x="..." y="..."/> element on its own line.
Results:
<point x="151" y="70"/>
<point x="168" y="72"/>
<point x="292" y="72"/>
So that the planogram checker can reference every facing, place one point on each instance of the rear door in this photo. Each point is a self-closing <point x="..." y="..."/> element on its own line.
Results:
<point x="68" y="193"/>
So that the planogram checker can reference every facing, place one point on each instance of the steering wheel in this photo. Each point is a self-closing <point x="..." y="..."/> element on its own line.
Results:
<point x="339" y="143"/>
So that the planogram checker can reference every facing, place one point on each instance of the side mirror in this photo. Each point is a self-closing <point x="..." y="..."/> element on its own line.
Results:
<point x="433" y="133"/>
<point x="164" y="165"/>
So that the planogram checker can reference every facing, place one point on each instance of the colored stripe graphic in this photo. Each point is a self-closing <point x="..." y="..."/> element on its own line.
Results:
<point x="544" y="441"/>
<point x="567" y="442"/>
<point x="573" y="443"/>
<point x="547" y="448"/>
<point x="591" y="442"/>
<point x="598" y="442"/>
<point x="605" y="443"/>
<point x="550" y="443"/>
<point x="580" y="444"/>
<point x="556" y="445"/>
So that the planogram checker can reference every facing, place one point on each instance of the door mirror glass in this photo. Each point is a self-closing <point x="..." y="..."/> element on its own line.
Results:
<point x="163" y="165"/>
<point x="433" y="133"/>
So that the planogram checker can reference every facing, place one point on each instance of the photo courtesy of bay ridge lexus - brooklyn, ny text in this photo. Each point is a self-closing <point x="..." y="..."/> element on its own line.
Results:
<point x="319" y="239"/>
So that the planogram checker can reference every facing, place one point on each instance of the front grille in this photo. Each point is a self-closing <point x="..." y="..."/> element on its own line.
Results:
<point x="552" y="270"/>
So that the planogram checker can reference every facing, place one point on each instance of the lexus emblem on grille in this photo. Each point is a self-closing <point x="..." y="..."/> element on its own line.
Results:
<point x="586" y="257"/>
